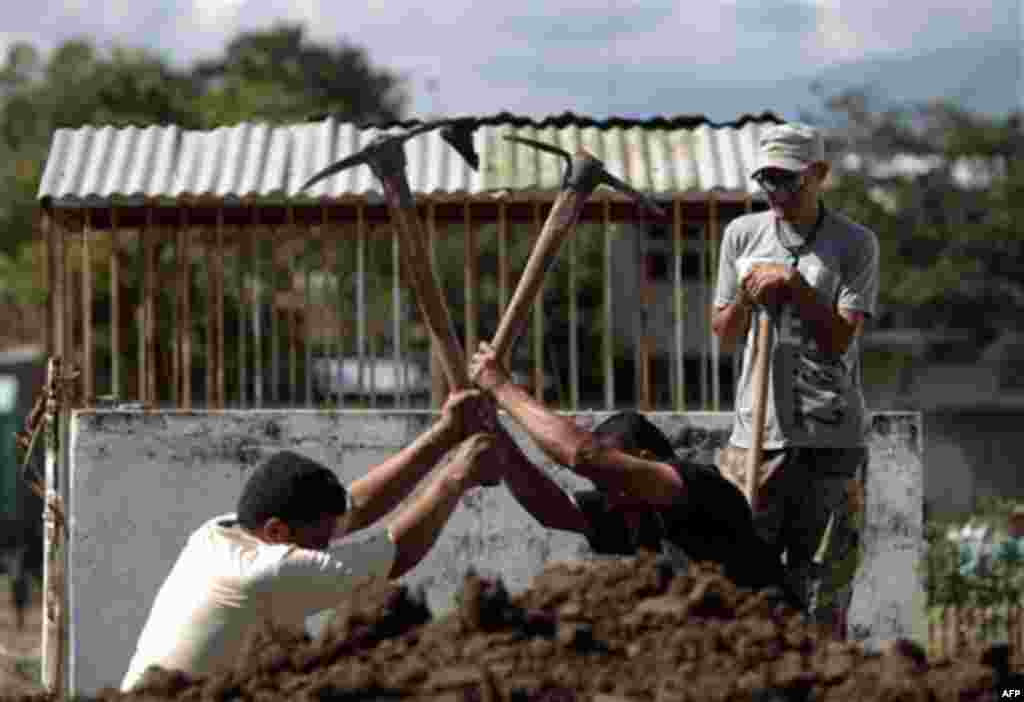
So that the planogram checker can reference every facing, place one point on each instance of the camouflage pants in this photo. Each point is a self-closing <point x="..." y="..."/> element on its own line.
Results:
<point x="811" y="509"/>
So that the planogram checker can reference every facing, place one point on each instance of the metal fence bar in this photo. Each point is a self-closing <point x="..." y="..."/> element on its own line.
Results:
<point x="705" y="351"/>
<point x="643" y="325"/>
<point x="220" y="394"/>
<point x="678" y="308"/>
<point x="175" y="288"/>
<point x="150" y="238"/>
<point x="574" y="341"/>
<point x="438" y="382"/>
<point x="607" y="350"/>
<point x="245" y="257"/>
<point x="307" y="317"/>
<point x="186" y="314"/>
<point x="339" y="299"/>
<point x="716" y="389"/>
<point x="401" y="372"/>
<point x="115" y="307"/>
<point x="361" y="297"/>
<point x="257" y="314"/>
<point x="274" y="313"/>
<point x="538" y="319"/>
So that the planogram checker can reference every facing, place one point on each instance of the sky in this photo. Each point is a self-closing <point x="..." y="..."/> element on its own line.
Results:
<point x="640" y="59"/>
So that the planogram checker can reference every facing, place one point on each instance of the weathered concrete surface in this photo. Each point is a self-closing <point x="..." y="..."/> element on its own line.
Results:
<point x="141" y="482"/>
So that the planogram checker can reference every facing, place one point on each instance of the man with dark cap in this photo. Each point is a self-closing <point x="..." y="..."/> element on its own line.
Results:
<point x="817" y="273"/>
<point x="280" y="557"/>
<point x="645" y="496"/>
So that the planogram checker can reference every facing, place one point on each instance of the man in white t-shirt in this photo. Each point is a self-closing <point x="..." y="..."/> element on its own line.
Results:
<point x="280" y="557"/>
<point x="818" y="272"/>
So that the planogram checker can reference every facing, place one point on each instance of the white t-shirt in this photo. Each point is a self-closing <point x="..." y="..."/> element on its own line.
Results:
<point x="813" y="399"/>
<point x="226" y="583"/>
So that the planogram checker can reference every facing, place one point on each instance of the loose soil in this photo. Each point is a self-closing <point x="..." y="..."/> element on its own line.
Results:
<point x="615" y="630"/>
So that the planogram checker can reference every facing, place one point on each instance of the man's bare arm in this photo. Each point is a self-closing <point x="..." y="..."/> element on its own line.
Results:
<point x="539" y="495"/>
<point x="385" y="486"/>
<point x="730" y="323"/>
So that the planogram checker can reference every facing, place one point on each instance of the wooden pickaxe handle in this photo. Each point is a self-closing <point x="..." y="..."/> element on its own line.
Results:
<point x="584" y="173"/>
<point x="416" y="260"/>
<point x="559" y="225"/>
<point x="762" y="356"/>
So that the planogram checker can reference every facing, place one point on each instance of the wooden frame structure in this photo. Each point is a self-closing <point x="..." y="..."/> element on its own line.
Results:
<point x="286" y="265"/>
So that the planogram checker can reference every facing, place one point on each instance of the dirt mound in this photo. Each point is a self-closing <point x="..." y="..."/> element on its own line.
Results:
<point x="614" y="630"/>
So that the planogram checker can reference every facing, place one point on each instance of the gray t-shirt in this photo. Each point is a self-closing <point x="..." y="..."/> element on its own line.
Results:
<point x="813" y="399"/>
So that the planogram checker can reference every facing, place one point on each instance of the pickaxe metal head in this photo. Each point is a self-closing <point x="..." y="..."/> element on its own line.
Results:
<point x="385" y="154"/>
<point x="585" y="172"/>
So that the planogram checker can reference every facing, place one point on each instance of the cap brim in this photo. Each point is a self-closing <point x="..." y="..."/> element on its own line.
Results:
<point x="782" y="163"/>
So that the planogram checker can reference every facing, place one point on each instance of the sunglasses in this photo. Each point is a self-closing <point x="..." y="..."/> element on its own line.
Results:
<point x="781" y="182"/>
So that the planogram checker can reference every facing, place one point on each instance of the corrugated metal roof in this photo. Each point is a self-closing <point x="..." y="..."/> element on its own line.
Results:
<point x="260" y="162"/>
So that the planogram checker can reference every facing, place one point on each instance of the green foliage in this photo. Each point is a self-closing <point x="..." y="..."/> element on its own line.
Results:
<point x="952" y="251"/>
<point x="999" y="584"/>
<point x="273" y="76"/>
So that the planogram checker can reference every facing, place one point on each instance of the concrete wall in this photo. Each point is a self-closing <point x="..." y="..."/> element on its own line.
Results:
<point x="141" y="482"/>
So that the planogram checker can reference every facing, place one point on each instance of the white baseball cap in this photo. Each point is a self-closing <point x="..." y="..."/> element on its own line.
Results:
<point x="791" y="147"/>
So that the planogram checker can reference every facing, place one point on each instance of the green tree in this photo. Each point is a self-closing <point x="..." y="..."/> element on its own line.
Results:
<point x="951" y="235"/>
<point x="278" y="76"/>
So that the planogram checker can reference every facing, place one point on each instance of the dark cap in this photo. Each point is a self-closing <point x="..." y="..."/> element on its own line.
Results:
<point x="632" y="432"/>
<point x="293" y="488"/>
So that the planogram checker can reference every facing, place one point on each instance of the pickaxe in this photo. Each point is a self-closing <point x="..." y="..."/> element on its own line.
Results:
<point x="763" y="341"/>
<point x="583" y="174"/>
<point x="385" y="155"/>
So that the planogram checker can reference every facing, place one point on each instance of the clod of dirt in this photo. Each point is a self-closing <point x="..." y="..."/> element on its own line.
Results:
<point x="612" y="631"/>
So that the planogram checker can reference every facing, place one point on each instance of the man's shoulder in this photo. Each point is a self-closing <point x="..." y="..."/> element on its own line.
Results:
<point x="751" y="222"/>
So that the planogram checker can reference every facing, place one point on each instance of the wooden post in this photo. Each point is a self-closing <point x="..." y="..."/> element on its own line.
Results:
<point x="608" y="336"/>
<point x="503" y="273"/>
<point x="88" y="355"/>
<point x="115" y="307"/>
<point x="538" y="320"/>
<point x="503" y="268"/>
<point x="678" y="305"/>
<point x="70" y="300"/>
<point x="574" y="341"/>
<point x="55" y="291"/>
<point x="45" y="277"/>
<point x="471" y="278"/>
<point x="53" y="633"/>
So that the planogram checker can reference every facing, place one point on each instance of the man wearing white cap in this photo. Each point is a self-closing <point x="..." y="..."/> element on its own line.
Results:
<point x="816" y="272"/>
